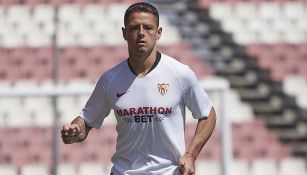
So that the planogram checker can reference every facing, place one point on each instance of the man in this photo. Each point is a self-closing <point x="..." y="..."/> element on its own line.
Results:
<point x="148" y="93"/>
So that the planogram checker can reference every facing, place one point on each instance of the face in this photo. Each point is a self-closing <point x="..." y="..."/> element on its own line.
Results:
<point x="141" y="32"/>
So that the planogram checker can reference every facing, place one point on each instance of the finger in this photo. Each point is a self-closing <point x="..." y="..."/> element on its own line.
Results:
<point x="69" y="128"/>
<point x="188" y="171"/>
<point x="72" y="130"/>
<point x="181" y="167"/>
<point x="66" y="127"/>
<point x="78" y="129"/>
<point x="68" y="134"/>
<point x="184" y="171"/>
<point x="68" y="139"/>
<point x="63" y="131"/>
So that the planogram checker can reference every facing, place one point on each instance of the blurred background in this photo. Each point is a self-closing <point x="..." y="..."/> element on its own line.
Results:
<point x="255" y="49"/>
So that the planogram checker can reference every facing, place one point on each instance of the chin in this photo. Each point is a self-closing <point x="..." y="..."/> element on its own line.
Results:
<point x="142" y="50"/>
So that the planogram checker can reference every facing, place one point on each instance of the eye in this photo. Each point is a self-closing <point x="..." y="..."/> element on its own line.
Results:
<point x="148" y="27"/>
<point x="133" y="28"/>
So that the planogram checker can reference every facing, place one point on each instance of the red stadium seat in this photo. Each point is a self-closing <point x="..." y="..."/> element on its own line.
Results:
<point x="303" y="48"/>
<point x="4" y="68"/>
<point x="58" y="2"/>
<point x="8" y="3"/>
<point x="71" y="153"/>
<point x="33" y="3"/>
<point x="255" y="50"/>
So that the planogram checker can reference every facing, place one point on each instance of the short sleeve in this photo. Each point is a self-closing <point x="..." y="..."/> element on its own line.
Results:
<point x="194" y="96"/>
<point x="97" y="107"/>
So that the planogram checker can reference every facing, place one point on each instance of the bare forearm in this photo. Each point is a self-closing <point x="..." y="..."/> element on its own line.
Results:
<point x="203" y="132"/>
<point x="84" y="128"/>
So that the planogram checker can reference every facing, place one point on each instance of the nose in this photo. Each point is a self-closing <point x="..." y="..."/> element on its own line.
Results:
<point x="141" y="30"/>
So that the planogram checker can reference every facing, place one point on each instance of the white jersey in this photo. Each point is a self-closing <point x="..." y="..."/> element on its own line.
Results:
<point x="150" y="113"/>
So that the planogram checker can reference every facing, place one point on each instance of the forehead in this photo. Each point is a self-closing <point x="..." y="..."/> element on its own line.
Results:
<point x="141" y="18"/>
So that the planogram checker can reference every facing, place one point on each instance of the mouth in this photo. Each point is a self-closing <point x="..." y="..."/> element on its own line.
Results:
<point x="141" y="42"/>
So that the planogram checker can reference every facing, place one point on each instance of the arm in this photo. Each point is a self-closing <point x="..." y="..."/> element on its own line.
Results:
<point x="77" y="131"/>
<point x="203" y="132"/>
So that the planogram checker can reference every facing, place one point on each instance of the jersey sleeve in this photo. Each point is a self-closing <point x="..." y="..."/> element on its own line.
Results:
<point x="97" y="107"/>
<point x="194" y="96"/>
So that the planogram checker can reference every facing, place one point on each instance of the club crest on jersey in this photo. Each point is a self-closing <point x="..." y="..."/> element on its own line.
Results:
<point x="162" y="88"/>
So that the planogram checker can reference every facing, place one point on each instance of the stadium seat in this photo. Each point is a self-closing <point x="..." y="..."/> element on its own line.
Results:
<point x="94" y="13"/>
<point x="239" y="167"/>
<point x="9" y="3"/>
<point x="38" y="39"/>
<point x="8" y="170"/>
<point x="245" y="11"/>
<point x="43" y="118"/>
<point x="295" y="36"/>
<point x="43" y="15"/>
<point x="11" y="39"/>
<point x="264" y="167"/>
<point x="221" y="11"/>
<point x="92" y="168"/>
<point x="81" y="24"/>
<point x="76" y="26"/>
<point x="234" y="106"/>
<point x="208" y="167"/>
<point x="88" y="39"/>
<point x="301" y="100"/>
<point x="68" y="12"/>
<point x="302" y="26"/>
<point x="270" y="37"/>
<point x="270" y="11"/>
<point x="294" y="10"/>
<point x="271" y="22"/>
<point x="292" y="166"/>
<point x="294" y="85"/>
<point x="65" y="39"/>
<point x="66" y="169"/>
<point x="34" y="169"/>
<point x="5" y="85"/>
<point x="72" y="154"/>
<point x="18" y="13"/>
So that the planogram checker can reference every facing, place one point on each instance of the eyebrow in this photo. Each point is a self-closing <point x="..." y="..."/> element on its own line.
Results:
<point x="134" y="25"/>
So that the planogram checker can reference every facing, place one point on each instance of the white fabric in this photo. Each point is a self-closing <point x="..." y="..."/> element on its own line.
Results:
<point x="150" y="122"/>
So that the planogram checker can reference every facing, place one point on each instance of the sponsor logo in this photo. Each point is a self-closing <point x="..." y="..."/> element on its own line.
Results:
<point x="144" y="114"/>
<point x="121" y="94"/>
<point x="144" y="110"/>
<point x="162" y="88"/>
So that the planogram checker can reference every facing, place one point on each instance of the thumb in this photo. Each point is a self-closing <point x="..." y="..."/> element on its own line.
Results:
<point x="66" y="127"/>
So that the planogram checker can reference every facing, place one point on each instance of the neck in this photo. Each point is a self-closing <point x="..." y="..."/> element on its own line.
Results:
<point x="141" y="64"/>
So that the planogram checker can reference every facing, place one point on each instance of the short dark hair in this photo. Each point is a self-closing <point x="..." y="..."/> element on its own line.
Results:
<point x="141" y="7"/>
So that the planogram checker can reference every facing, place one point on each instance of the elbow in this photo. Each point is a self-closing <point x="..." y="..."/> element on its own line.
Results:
<point x="212" y="116"/>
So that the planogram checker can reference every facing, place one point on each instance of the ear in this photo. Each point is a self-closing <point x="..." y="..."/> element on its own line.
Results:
<point x="159" y="32"/>
<point x="124" y="33"/>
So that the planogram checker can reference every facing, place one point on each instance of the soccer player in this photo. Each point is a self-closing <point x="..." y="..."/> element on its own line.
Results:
<point x="148" y="93"/>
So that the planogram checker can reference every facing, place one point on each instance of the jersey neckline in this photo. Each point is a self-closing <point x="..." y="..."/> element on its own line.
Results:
<point x="158" y="58"/>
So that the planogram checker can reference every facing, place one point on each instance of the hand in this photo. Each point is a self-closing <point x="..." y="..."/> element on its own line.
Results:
<point x="187" y="164"/>
<point x="71" y="133"/>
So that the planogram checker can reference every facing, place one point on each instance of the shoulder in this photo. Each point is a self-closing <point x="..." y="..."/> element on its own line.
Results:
<point x="107" y="77"/>
<point x="183" y="71"/>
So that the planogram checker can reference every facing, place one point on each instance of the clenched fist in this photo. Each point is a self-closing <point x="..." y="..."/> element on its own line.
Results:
<point x="71" y="133"/>
<point x="187" y="164"/>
